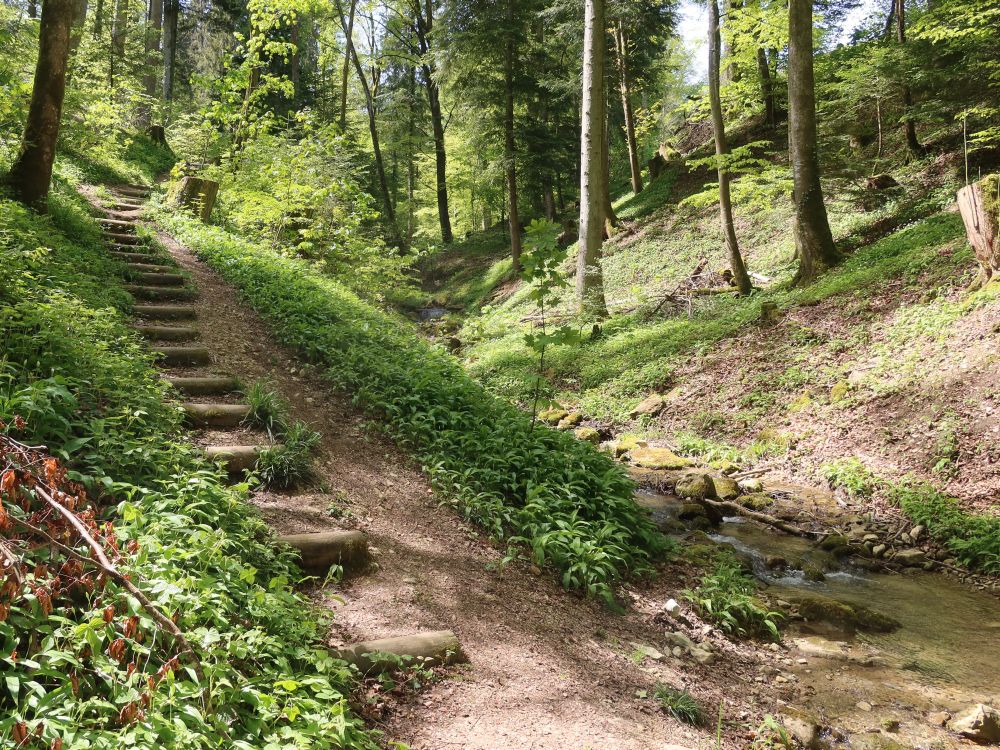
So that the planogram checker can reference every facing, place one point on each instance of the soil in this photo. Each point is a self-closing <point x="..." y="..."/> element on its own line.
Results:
<point x="547" y="669"/>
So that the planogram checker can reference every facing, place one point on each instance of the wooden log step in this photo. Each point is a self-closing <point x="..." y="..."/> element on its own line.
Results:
<point x="117" y="247"/>
<point x="120" y="238"/>
<point x="165" y="312"/>
<point x="123" y="206"/>
<point x="139" y="257"/>
<point x="124" y="224"/>
<point x="157" y="278"/>
<point x="236" y="458"/>
<point x="168" y="333"/>
<point x="180" y="356"/>
<point x="319" y="551"/>
<point x="160" y="292"/>
<point x="136" y="191"/>
<point x="149" y="268"/>
<point x="205" y="386"/>
<point x="436" y="647"/>
<point x="216" y="415"/>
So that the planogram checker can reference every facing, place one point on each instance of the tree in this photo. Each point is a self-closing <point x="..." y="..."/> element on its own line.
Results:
<point x="909" y="127"/>
<point x="722" y="150"/>
<point x="813" y="238"/>
<point x="31" y="173"/>
<point x="510" y="148"/>
<point x="624" y="84"/>
<point x="171" y="12"/>
<point x="593" y="170"/>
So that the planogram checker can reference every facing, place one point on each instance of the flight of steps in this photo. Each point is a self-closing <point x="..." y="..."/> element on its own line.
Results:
<point x="166" y="315"/>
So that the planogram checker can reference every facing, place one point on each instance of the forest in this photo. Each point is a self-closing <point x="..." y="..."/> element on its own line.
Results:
<point x="499" y="374"/>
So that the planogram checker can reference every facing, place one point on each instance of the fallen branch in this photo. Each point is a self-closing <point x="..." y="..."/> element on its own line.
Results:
<point x="764" y="518"/>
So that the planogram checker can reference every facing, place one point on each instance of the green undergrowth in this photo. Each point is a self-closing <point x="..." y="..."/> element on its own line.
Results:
<point x="72" y="367"/>
<point x="571" y="505"/>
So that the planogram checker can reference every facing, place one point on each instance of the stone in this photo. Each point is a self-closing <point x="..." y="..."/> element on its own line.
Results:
<point x="881" y="182"/>
<point x="910" y="557"/>
<point x="917" y="532"/>
<point x="870" y="537"/>
<point x="651" y="405"/>
<point x="658" y="458"/>
<point x="588" y="434"/>
<point x="671" y="606"/>
<point x="834" y="543"/>
<point x="691" y="511"/>
<point x="981" y="724"/>
<point x="756" y="501"/>
<point x="702" y="656"/>
<point x="725" y="488"/>
<point x="570" y="421"/>
<point x="724" y="467"/>
<point x="839" y="391"/>
<point x="939" y="719"/>
<point x="802" y="726"/>
<point x="627" y="443"/>
<point x="820" y="608"/>
<point x="552" y="416"/>
<point x="695" y="487"/>
<point x="879" y="550"/>
<point x="775" y="562"/>
<point x="864" y="705"/>
<point x="648" y="652"/>
<point x="679" y="639"/>
<point x="751" y="485"/>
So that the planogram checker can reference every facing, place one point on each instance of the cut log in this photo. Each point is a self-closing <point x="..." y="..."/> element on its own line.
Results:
<point x="122" y="239"/>
<point x="168" y="333"/>
<point x="157" y="134"/>
<point x="125" y="224"/>
<point x="140" y="191"/>
<point x="157" y="278"/>
<point x="235" y="458"/>
<point x="216" y="415"/>
<point x="979" y="204"/>
<point x="138" y="257"/>
<point x="157" y="293"/>
<point x="437" y="647"/>
<point x="195" y="193"/>
<point x="181" y="356"/>
<point x="165" y="312"/>
<point x="319" y="551"/>
<point x="207" y="386"/>
<point x="150" y="268"/>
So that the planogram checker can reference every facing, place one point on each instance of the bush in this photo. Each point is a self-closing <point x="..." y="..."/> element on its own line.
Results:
<point x="727" y="597"/>
<point x="572" y="505"/>
<point x="86" y="386"/>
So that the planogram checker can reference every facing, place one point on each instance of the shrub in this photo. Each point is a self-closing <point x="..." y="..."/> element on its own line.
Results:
<point x="678" y="703"/>
<point x="570" y="504"/>
<point x="727" y="597"/>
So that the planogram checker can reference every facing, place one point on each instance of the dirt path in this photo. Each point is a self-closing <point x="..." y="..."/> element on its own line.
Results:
<point x="548" y="670"/>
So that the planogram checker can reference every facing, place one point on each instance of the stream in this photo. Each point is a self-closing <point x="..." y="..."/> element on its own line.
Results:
<point x="943" y="658"/>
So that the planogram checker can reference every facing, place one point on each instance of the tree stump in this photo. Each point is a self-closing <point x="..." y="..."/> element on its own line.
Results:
<point x="980" y="207"/>
<point x="195" y="193"/>
<point x="157" y="134"/>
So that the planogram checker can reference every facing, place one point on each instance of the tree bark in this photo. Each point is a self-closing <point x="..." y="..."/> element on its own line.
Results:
<point x="31" y="173"/>
<point x="33" y="9"/>
<point x="510" y="155"/>
<point x="76" y="32"/>
<point x="171" y="12"/>
<point x="766" y="88"/>
<point x="349" y="41"/>
<point x="154" y="29"/>
<point x="908" y="125"/>
<point x="424" y="25"/>
<point x="721" y="150"/>
<point x="593" y="166"/>
<point x="295" y="62"/>
<point x="610" y="218"/>
<point x="119" y="32"/>
<point x="813" y="238"/>
<point x="621" y="47"/>
<point x="979" y="204"/>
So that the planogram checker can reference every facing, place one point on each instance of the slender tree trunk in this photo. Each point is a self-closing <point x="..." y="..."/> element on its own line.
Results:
<point x="548" y="198"/>
<point x="610" y="218"/>
<point x="349" y="41"/>
<point x="33" y="9"/>
<point x="721" y="150"/>
<point x="813" y="238"/>
<point x="98" y="19"/>
<point x="766" y="88"/>
<point x="76" y="32"/>
<point x="31" y="173"/>
<point x="890" y="20"/>
<point x="908" y="125"/>
<point x="295" y="63"/>
<point x="171" y="12"/>
<point x="593" y="166"/>
<point x="119" y="32"/>
<point x="510" y="155"/>
<point x="621" y="47"/>
<point x="154" y="30"/>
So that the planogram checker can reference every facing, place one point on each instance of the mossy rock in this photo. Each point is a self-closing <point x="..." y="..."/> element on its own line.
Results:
<point x="756" y="501"/>
<point x="552" y="416"/>
<point x="839" y="391"/>
<point x="824" y="609"/>
<point x="723" y="466"/>
<point x="726" y="488"/>
<point x="588" y="434"/>
<point x="838" y="544"/>
<point x="626" y="443"/>
<point x="689" y="511"/>
<point x="695" y="487"/>
<point x="570" y="421"/>
<point x="801" y="403"/>
<point x="658" y="458"/>
<point x="700" y="554"/>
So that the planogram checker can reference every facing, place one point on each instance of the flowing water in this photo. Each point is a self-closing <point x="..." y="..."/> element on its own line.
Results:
<point x="945" y="656"/>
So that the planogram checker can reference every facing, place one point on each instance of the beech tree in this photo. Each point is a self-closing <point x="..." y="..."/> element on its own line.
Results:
<point x="593" y="169"/>
<point x="722" y="150"/>
<point x="813" y="238"/>
<point x="31" y="174"/>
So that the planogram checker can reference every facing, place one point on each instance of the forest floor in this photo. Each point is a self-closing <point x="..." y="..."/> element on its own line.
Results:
<point x="547" y="669"/>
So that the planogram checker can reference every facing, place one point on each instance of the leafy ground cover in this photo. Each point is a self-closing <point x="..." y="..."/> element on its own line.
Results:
<point x="530" y="485"/>
<point x="84" y="664"/>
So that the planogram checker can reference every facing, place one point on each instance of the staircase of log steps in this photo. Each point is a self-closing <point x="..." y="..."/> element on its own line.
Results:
<point x="166" y="315"/>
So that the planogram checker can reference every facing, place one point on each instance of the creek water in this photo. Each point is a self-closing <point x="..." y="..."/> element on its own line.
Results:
<point x="944" y="657"/>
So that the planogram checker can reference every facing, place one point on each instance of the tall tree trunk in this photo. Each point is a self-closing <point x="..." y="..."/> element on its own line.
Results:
<point x="766" y="88"/>
<point x="154" y="29"/>
<point x="33" y="9"/>
<point x="295" y="63"/>
<point x="908" y="125"/>
<point x="171" y="12"/>
<point x="721" y="150"/>
<point x="349" y="41"/>
<point x="31" y="173"/>
<point x="610" y="218"/>
<point x="593" y="166"/>
<point x="98" y="19"/>
<point x="621" y="48"/>
<point x="813" y="238"/>
<point x="76" y="31"/>
<point x="119" y="34"/>
<point x="510" y="156"/>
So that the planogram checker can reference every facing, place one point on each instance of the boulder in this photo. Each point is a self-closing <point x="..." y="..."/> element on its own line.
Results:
<point x="910" y="557"/>
<point x="839" y="391"/>
<point x="881" y="182"/>
<point x="824" y="609"/>
<point x="658" y="458"/>
<point x="802" y="726"/>
<point x="626" y="443"/>
<point x="981" y="724"/>
<point x="690" y="511"/>
<point x="589" y="434"/>
<point x="570" y="421"/>
<point x="651" y="405"/>
<point x="552" y="416"/>
<point x="725" y="488"/>
<point x="695" y="487"/>
<point x="756" y="501"/>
